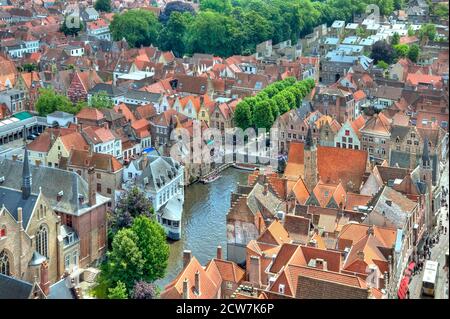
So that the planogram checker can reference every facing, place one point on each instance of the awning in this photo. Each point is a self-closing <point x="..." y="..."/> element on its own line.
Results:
<point x="403" y="289"/>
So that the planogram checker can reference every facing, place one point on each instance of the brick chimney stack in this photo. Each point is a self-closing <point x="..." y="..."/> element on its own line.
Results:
<point x="219" y="252"/>
<point x="187" y="255"/>
<point x="44" y="282"/>
<point x="185" y="288"/>
<point x="197" y="283"/>
<point x="255" y="270"/>
<point x="91" y="185"/>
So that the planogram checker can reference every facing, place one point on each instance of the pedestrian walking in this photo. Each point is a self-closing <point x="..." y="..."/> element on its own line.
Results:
<point x="445" y="230"/>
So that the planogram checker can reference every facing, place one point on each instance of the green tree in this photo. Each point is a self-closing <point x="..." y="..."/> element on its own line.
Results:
<point x="360" y="32"/>
<point x="381" y="50"/>
<point x="395" y="39"/>
<point x="153" y="246"/>
<point x="49" y="101"/>
<point x="71" y="26"/>
<point x="124" y="263"/>
<point x="263" y="116"/>
<point x="243" y="115"/>
<point x="214" y="33"/>
<point x="130" y="205"/>
<point x="413" y="53"/>
<point x="220" y="6"/>
<point x="401" y="50"/>
<point x="137" y="26"/>
<point x="441" y="10"/>
<point x="427" y="32"/>
<point x="173" y="35"/>
<point x="29" y="67"/>
<point x="255" y="28"/>
<point x="411" y="32"/>
<point x="118" y="292"/>
<point x="383" y="65"/>
<point x="101" y="100"/>
<point x="386" y="6"/>
<point x="399" y="4"/>
<point x="282" y="102"/>
<point x="103" y="5"/>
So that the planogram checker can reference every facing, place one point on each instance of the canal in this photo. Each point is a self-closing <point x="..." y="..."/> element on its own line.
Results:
<point x="203" y="224"/>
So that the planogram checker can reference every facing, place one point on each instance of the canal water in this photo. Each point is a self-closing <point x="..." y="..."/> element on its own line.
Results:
<point x="203" y="223"/>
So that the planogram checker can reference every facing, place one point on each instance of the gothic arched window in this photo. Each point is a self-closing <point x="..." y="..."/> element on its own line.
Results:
<point x="4" y="263"/>
<point x="42" y="241"/>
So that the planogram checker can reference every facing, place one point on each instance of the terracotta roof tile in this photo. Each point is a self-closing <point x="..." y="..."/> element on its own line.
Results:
<point x="122" y="108"/>
<point x="332" y="164"/>
<point x="90" y="114"/>
<point x="208" y="289"/>
<point x="74" y="141"/>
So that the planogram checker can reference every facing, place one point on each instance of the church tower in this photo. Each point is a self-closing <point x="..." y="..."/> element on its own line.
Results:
<point x="310" y="162"/>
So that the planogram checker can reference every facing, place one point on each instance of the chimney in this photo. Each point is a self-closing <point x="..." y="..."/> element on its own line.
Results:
<point x="370" y="230"/>
<point x="44" y="283"/>
<point x="187" y="255"/>
<point x="255" y="270"/>
<point x="197" y="283"/>
<point x="219" y="252"/>
<point x="144" y="161"/>
<point x="185" y="288"/>
<point x="266" y="188"/>
<point x="91" y="185"/>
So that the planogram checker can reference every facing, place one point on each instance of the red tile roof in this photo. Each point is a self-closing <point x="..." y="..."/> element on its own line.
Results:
<point x="332" y="164"/>
<point x="89" y="113"/>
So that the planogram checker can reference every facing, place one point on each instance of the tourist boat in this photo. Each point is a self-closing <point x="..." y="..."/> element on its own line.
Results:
<point x="245" y="167"/>
<point x="170" y="215"/>
<point x="210" y="179"/>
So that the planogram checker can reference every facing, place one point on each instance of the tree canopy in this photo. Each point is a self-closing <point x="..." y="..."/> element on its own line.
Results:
<point x="130" y="205"/>
<point x="139" y="253"/>
<point x="228" y="27"/>
<point x="137" y="26"/>
<point x="103" y="5"/>
<point x="427" y="32"/>
<point x="118" y="292"/>
<point x="145" y="290"/>
<point x="381" y="50"/>
<point x="413" y="53"/>
<point x="175" y="7"/>
<point x="101" y="100"/>
<point x="49" y="101"/>
<point x="262" y="110"/>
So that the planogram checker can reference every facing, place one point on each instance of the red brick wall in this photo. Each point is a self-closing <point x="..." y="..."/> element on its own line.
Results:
<point x="91" y="229"/>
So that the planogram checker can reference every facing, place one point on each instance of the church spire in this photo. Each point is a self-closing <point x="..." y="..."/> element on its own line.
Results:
<point x="309" y="140"/>
<point x="425" y="154"/>
<point x="26" y="176"/>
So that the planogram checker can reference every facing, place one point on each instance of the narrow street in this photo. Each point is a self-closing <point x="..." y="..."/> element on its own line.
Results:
<point x="437" y="253"/>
